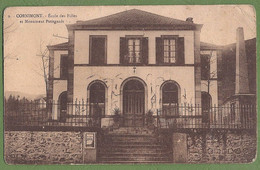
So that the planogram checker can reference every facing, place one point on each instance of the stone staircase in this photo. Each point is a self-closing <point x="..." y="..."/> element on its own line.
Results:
<point x="133" y="145"/>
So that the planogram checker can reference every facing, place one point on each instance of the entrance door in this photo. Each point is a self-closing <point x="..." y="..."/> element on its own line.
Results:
<point x="133" y="103"/>
<point x="205" y="106"/>
<point x="63" y="106"/>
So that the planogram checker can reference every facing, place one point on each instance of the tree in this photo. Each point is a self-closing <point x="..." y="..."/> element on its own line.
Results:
<point x="43" y="54"/>
<point x="7" y="30"/>
<point x="44" y="65"/>
<point x="206" y="73"/>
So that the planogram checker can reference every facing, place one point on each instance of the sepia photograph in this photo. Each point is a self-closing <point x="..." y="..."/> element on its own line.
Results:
<point x="151" y="84"/>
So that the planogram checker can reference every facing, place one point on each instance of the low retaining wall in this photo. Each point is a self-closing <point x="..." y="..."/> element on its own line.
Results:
<point x="25" y="147"/>
<point x="221" y="147"/>
<point x="54" y="147"/>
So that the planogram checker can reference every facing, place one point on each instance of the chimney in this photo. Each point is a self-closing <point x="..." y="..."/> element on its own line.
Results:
<point x="189" y="19"/>
<point x="242" y="84"/>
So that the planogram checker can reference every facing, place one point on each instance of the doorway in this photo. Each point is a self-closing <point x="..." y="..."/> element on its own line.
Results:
<point x="133" y="103"/>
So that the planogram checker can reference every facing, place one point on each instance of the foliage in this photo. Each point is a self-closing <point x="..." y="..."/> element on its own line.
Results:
<point x="116" y="116"/>
<point x="149" y="118"/>
<point x="12" y="103"/>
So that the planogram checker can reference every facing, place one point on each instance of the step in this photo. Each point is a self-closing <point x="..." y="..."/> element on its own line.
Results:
<point x="111" y="139"/>
<point x="133" y="145"/>
<point x="134" y="162"/>
<point x="116" y="135"/>
<point x="130" y="143"/>
<point x="131" y="149"/>
<point x="132" y="133"/>
<point x="131" y="130"/>
<point x="121" y="154"/>
<point x="131" y="140"/>
<point x="107" y="139"/>
<point x="134" y="150"/>
<point x="135" y="158"/>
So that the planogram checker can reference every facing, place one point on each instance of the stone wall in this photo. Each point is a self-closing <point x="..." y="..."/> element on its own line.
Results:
<point x="221" y="147"/>
<point x="25" y="147"/>
<point x="37" y="147"/>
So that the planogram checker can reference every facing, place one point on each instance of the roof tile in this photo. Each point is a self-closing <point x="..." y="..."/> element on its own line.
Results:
<point x="137" y="18"/>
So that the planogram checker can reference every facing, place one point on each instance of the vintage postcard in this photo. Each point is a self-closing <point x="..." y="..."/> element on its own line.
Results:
<point x="130" y="84"/>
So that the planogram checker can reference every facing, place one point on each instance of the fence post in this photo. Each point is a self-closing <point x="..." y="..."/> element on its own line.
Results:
<point x="157" y="118"/>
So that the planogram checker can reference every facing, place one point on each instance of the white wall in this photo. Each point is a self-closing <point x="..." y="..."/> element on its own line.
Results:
<point x="213" y="90"/>
<point x="213" y="87"/>
<point x="59" y="86"/>
<point x="213" y="61"/>
<point x="57" y="55"/>
<point x="153" y="76"/>
<point x="81" y="50"/>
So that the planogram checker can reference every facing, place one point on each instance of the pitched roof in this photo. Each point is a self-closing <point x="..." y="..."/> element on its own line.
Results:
<point x="251" y="41"/>
<point x="59" y="46"/>
<point x="208" y="46"/>
<point x="135" y="19"/>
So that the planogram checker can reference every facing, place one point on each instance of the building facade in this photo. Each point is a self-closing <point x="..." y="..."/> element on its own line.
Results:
<point x="135" y="62"/>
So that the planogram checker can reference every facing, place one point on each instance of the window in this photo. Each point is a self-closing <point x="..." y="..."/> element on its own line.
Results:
<point x="97" y="50"/>
<point x="205" y="66"/>
<point x="169" y="50"/>
<point x="63" y="66"/>
<point x="170" y="98"/>
<point x="134" y="50"/>
<point x="97" y="98"/>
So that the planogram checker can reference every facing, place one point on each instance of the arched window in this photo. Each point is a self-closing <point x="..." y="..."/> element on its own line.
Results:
<point x="97" y="98"/>
<point x="62" y="106"/>
<point x="170" y="98"/>
<point x="205" y="106"/>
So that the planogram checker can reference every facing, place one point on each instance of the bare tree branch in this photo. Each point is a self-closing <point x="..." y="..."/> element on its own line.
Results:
<point x="7" y="30"/>
<point x="44" y="56"/>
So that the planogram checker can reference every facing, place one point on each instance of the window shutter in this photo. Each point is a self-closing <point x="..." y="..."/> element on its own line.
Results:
<point x="145" y="50"/>
<point x="180" y="51"/>
<point x="123" y="50"/>
<point x="159" y="50"/>
<point x="63" y="66"/>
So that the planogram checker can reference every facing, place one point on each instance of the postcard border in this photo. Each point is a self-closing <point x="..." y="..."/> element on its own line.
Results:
<point x="7" y="3"/>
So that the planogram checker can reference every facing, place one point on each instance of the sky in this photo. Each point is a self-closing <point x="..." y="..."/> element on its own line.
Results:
<point x="22" y="66"/>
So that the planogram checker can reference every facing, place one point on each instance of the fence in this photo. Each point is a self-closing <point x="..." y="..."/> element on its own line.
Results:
<point x="194" y="116"/>
<point x="39" y="114"/>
